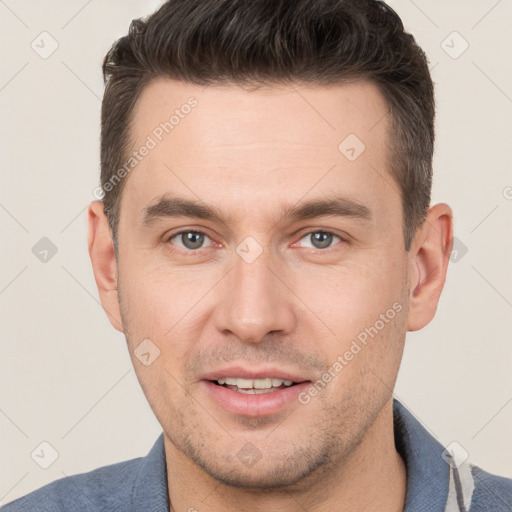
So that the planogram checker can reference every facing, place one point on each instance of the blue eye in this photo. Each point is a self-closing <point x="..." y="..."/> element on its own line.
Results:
<point x="190" y="240"/>
<point x="320" y="239"/>
<point x="193" y="240"/>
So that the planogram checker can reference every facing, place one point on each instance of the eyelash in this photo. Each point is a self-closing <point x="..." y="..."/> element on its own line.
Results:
<point x="199" y="232"/>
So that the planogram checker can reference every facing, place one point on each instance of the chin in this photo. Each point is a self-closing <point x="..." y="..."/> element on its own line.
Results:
<point x="275" y="472"/>
<point x="260" y="480"/>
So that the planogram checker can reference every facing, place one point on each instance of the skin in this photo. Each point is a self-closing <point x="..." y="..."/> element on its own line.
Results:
<point x="297" y="307"/>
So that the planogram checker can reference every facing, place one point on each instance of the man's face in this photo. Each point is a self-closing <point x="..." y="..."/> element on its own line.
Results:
<point x="264" y="295"/>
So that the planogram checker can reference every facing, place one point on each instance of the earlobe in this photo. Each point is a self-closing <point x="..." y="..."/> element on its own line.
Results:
<point x="101" y="252"/>
<point x="429" y="258"/>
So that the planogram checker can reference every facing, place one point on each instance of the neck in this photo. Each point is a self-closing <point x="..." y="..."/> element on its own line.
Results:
<point x="371" y="479"/>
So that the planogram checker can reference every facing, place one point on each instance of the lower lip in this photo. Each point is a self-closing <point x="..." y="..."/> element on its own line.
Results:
<point x="254" y="406"/>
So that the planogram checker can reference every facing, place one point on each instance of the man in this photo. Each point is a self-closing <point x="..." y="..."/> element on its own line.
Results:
<point x="264" y="241"/>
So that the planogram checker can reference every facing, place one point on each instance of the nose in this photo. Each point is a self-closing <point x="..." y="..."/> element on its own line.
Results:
<point x="254" y="301"/>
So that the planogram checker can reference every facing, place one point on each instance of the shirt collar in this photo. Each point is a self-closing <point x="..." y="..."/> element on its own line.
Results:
<point x="150" y="490"/>
<point x="427" y="472"/>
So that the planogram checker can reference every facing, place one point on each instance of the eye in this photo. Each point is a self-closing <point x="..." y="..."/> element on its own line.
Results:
<point x="190" y="239"/>
<point x="320" y="239"/>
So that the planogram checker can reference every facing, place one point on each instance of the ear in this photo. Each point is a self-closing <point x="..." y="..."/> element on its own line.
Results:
<point x="429" y="257"/>
<point x="101" y="251"/>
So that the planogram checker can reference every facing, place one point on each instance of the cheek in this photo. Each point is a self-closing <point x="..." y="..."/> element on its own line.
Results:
<point x="165" y="307"/>
<point x="363" y="305"/>
<point x="350" y="297"/>
<point x="158" y="298"/>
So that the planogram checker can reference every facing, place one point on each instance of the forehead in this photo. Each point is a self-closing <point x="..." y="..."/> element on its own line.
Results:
<point x="247" y="115"/>
<point x="220" y="143"/>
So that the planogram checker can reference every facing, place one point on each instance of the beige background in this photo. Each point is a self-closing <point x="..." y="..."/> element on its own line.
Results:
<point x="66" y="377"/>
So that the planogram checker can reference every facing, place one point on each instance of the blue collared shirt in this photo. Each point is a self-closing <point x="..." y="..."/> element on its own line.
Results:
<point x="437" y="481"/>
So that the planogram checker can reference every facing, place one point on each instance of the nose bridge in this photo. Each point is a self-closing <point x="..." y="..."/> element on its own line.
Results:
<point x="254" y="301"/>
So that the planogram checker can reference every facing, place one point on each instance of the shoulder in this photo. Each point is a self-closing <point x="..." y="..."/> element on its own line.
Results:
<point x="491" y="492"/>
<point x="105" y="488"/>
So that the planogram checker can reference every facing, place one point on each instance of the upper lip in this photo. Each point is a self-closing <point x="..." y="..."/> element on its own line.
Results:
<point x="241" y="372"/>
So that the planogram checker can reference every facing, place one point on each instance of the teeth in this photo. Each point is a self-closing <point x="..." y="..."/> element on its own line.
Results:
<point x="262" y="383"/>
<point x="266" y="383"/>
<point x="255" y="391"/>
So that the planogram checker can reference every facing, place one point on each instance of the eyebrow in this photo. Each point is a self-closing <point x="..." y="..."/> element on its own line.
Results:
<point x="170" y="206"/>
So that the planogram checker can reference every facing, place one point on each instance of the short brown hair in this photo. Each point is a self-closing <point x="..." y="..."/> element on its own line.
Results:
<point x="277" y="41"/>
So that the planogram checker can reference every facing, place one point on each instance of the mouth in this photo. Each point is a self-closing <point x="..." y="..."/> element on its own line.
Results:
<point x="254" y="393"/>
<point x="254" y="386"/>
